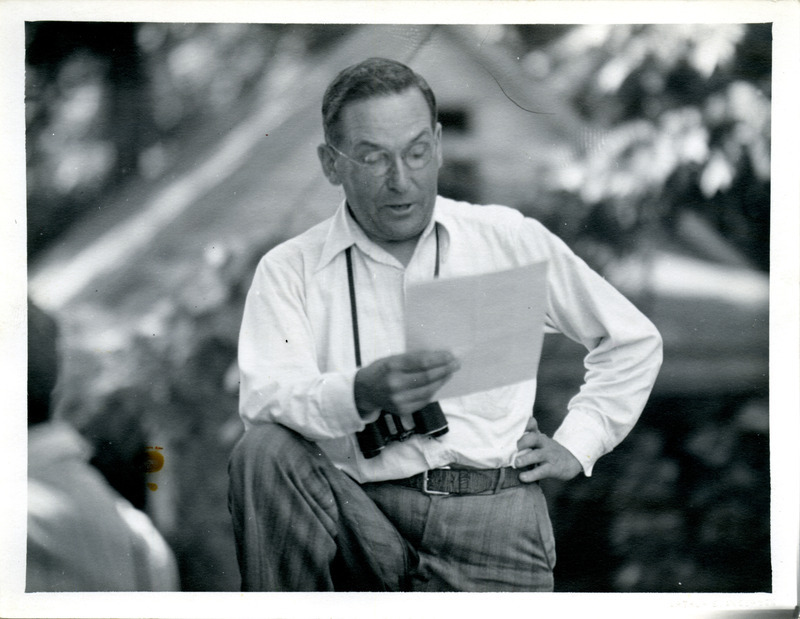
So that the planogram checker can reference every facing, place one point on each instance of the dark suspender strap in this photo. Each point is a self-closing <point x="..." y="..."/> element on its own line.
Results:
<point x="351" y="283"/>
<point x="436" y="268"/>
<point x="353" y="308"/>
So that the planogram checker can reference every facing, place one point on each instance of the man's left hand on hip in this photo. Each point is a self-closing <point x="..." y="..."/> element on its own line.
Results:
<point x="546" y="457"/>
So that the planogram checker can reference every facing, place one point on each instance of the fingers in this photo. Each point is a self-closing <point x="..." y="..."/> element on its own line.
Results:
<point x="530" y="439"/>
<point x="403" y="383"/>
<point x="535" y="461"/>
<point x="537" y="474"/>
<point x="544" y="458"/>
<point x="411" y="380"/>
<point x="419" y="377"/>
<point x="529" y="457"/>
<point x="423" y="378"/>
<point x="423" y="360"/>
<point x="412" y="400"/>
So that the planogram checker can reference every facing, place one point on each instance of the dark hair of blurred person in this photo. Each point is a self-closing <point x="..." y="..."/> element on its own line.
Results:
<point x="42" y="363"/>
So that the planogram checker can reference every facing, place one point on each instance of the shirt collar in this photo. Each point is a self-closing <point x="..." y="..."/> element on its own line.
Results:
<point x="345" y="232"/>
<point x="340" y="236"/>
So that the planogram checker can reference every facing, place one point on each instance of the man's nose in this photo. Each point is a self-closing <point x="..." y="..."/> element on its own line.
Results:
<point x="397" y="177"/>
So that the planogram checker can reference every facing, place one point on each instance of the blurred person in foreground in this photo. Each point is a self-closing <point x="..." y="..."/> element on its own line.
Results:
<point x="321" y="354"/>
<point x="82" y="535"/>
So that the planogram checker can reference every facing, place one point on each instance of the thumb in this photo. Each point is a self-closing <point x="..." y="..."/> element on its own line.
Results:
<point x="532" y="425"/>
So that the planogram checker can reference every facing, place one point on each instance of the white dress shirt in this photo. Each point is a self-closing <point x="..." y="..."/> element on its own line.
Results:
<point x="297" y="360"/>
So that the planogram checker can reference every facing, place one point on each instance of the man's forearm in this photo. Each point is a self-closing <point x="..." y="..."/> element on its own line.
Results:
<point x="321" y="407"/>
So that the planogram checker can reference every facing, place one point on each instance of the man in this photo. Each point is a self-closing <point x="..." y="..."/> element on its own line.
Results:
<point x="321" y="354"/>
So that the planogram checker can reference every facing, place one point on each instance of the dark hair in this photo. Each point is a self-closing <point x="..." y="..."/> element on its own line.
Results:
<point x="42" y="362"/>
<point x="373" y="77"/>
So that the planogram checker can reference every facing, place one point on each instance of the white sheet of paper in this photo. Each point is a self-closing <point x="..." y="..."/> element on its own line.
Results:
<point x="493" y="323"/>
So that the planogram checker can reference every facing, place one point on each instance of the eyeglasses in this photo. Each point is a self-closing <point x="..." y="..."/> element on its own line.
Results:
<point x="379" y="162"/>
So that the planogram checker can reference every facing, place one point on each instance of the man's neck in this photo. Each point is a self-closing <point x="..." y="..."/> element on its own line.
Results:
<point x="402" y="250"/>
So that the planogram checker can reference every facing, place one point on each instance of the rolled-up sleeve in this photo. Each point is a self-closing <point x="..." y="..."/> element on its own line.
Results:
<point x="280" y="378"/>
<point x="624" y="349"/>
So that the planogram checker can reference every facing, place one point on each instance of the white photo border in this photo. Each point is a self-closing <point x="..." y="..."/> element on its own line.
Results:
<point x="784" y="315"/>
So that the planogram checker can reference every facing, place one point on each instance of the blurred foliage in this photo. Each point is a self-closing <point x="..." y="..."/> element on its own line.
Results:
<point x="110" y="103"/>
<point x="680" y="118"/>
<point x="681" y="506"/>
<point x="680" y="130"/>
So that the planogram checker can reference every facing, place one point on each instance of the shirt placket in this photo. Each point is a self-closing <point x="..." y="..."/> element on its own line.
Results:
<point x="421" y="269"/>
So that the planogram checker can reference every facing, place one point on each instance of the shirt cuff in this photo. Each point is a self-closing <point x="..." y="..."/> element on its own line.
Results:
<point x="339" y="401"/>
<point x="373" y="415"/>
<point x="578" y="433"/>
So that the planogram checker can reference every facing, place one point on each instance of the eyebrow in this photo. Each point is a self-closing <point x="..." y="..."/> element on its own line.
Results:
<point x="369" y="144"/>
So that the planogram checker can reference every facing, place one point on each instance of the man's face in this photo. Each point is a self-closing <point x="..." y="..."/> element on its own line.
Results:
<point x="396" y="206"/>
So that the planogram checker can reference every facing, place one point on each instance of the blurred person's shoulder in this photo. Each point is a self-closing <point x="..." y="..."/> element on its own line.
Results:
<point x="83" y="535"/>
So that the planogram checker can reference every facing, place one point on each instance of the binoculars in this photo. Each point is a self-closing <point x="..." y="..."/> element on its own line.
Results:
<point x="428" y="421"/>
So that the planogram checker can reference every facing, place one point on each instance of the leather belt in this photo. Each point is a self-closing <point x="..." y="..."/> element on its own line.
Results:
<point x="461" y="481"/>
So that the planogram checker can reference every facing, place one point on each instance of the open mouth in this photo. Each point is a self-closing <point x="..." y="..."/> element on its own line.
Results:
<point x="399" y="208"/>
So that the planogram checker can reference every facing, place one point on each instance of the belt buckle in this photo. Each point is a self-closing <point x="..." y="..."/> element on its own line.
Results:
<point x="426" y="490"/>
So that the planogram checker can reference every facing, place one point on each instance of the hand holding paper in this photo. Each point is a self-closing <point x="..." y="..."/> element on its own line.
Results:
<point x="493" y="324"/>
<point x="404" y="383"/>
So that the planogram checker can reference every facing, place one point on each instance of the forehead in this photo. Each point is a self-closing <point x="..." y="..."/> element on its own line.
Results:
<point x="386" y="120"/>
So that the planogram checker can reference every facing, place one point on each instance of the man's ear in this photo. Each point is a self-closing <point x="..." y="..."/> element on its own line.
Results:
<point x="438" y="136"/>
<point x="328" y="159"/>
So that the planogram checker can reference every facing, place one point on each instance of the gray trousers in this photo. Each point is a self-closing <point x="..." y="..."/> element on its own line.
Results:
<point x="301" y="524"/>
